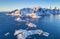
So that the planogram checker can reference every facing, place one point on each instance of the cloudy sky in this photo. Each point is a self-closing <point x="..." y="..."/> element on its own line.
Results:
<point x="8" y="5"/>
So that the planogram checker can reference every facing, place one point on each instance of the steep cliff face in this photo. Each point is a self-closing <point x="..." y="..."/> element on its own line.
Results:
<point x="26" y="10"/>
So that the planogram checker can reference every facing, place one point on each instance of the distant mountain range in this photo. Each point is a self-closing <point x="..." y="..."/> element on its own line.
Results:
<point x="38" y="11"/>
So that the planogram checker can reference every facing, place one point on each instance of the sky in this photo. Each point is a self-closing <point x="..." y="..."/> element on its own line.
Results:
<point x="9" y="5"/>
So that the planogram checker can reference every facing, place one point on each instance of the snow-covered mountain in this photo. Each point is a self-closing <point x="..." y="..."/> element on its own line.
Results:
<point x="14" y="11"/>
<point x="26" y="10"/>
<point x="38" y="11"/>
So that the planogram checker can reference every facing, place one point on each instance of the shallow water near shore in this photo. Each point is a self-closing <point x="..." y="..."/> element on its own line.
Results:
<point x="48" y="23"/>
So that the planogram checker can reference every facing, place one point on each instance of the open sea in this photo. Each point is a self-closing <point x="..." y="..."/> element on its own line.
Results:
<point x="48" y="23"/>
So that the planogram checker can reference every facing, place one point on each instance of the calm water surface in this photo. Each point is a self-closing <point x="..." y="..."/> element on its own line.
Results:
<point x="50" y="24"/>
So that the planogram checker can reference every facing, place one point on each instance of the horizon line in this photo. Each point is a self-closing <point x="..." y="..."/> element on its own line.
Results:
<point x="8" y="10"/>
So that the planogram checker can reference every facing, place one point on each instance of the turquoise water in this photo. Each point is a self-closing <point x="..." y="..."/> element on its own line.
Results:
<point x="48" y="23"/>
